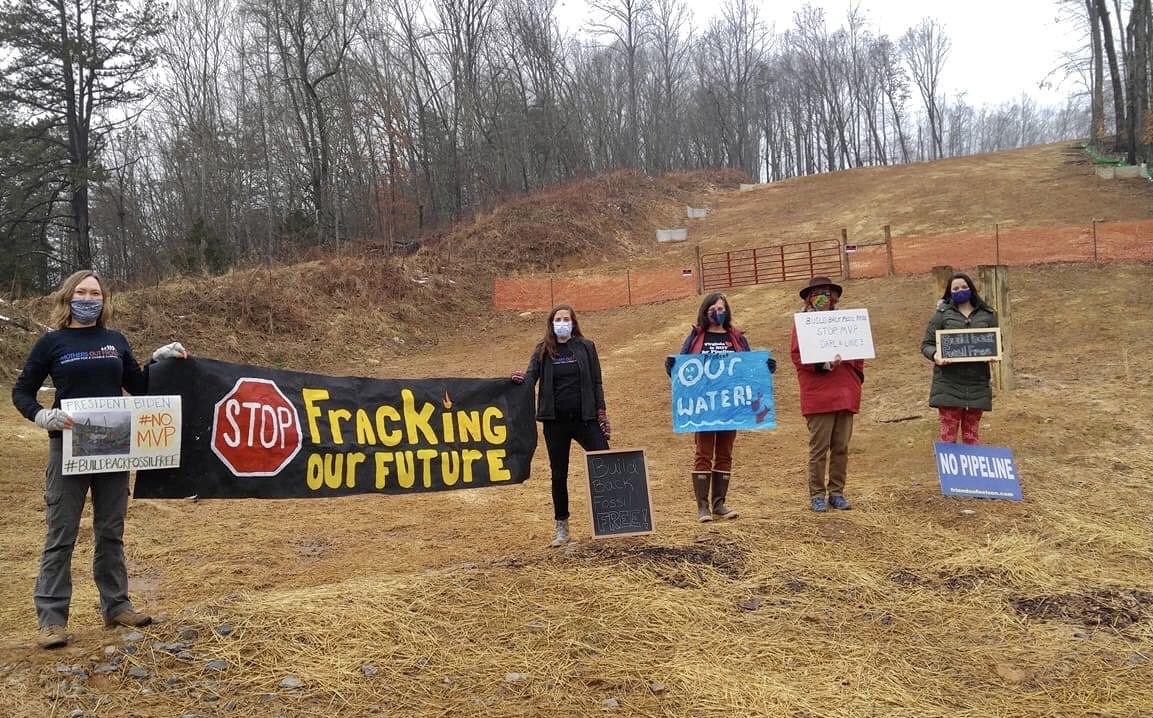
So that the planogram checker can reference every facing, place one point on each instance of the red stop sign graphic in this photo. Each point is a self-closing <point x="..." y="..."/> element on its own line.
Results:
<point x="255" y="430"/>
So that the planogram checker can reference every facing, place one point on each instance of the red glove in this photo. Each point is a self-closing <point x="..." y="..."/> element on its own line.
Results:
<point x="603" y="422"/>
<point x="517" y="377"/>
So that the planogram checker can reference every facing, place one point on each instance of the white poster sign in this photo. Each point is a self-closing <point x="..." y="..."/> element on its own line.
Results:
<point x="121" y="433"/>
<point x="823" y="335"/>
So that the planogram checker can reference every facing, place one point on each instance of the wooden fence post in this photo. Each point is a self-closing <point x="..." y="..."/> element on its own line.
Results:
<point x="997" y="244"/>
<point x="845" y="253"/>
<point x="994" y="288"/>
<point x="941" y="275"/>
<point x="700" y="272"/>
<point x="1095" y="243"/>
<point x="889" y="249"/>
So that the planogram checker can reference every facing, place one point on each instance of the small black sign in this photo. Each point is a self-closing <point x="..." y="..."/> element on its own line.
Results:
<point x="620" y="504"/>
<point x="960" y="345"/>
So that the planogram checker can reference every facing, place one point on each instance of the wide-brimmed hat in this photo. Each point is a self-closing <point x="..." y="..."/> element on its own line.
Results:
<point x="817" y="282"/>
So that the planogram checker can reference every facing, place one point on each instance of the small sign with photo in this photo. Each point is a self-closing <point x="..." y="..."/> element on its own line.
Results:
<point x="121" y="433"/>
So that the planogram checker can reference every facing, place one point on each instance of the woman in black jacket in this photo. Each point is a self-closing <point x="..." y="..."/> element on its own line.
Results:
<point x="961" y="391"/>
<point x="85" y="359"/>
<point x="570" y="402"/>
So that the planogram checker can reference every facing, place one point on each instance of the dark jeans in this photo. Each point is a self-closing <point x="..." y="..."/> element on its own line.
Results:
<point x="558" y="437"/>
<point x="64" y="501"/>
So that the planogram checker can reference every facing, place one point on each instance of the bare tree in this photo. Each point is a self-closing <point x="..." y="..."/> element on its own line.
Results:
<point x="627" y="23"/>
<point x="926" y="48"/>
<point x="1139" y="83"/>
<point x="1118" y="93"/>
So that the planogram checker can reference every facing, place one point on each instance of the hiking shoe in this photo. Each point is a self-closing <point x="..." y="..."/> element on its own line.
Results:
<point x="562" y="536"/>
<point x="52" y="637"/>
<point x="128" y="617"/>
<point x="840" y="503"/>
<point x="817" y="503"/>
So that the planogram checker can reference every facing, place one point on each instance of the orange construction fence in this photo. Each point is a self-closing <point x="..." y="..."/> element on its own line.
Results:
<point x="1092" y="242"/>
<point x="601" y="292"/>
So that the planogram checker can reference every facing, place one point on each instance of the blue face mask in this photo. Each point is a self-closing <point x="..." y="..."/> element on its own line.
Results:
<point x="562" y="329"/>
<point x="961" y="296"/>
<point x="86" y="311"/>
<point x="717" y="316"/>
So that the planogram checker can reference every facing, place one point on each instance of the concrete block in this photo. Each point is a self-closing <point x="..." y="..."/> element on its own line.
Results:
<point x="672" y="235"/>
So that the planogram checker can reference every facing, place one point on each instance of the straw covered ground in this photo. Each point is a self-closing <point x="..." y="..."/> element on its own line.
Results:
<point x="452" y="605"/>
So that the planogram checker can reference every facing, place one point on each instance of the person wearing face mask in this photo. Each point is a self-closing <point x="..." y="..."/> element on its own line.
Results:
<point x="830" y="397"/>
<point x="961" y="391"/>
<point x="570" y="402"/>
<point x="712" y="472"/>
<point x="85" y="359"/>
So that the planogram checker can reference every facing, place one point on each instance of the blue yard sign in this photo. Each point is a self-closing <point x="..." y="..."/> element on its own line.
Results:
<point x="721" y="392"/>
<point x="986" y="472"/>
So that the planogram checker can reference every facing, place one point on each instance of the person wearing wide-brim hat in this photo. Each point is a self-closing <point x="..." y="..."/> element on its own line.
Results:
<point x="830" y="396"/>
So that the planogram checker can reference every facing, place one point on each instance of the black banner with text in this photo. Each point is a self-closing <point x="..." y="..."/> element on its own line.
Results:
<point x="254" y="432"/>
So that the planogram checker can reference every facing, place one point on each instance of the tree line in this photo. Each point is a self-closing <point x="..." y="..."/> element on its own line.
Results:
<point x="147" y="140"/>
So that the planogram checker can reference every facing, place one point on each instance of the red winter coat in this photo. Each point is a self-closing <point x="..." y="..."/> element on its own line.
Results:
<point x="823" y="392"/>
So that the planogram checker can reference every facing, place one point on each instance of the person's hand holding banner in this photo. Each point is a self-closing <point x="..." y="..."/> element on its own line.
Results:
<point x="517" y="377"/>
<point x="53" y="419"/>
<point x="173" y="350"/>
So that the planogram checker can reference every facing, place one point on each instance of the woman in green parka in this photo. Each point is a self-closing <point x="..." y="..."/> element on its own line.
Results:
<point x="961" y="391"/>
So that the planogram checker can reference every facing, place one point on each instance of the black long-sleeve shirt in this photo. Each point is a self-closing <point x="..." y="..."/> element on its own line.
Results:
<point x="83" y="362"/>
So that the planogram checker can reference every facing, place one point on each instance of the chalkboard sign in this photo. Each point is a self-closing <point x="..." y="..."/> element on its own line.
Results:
<point x="960" y="345"/>
<point x="619" y="500"/>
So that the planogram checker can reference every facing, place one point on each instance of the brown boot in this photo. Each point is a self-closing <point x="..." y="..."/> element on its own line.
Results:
<point x="720" y="491"/>
<point x="701" y="489"/>
<point x="52" y="636"/>
<point x="128" y="617"/>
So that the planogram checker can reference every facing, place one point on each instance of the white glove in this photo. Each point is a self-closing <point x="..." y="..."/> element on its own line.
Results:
<point x="52" y="419"/>
<point x="175" y="350"/>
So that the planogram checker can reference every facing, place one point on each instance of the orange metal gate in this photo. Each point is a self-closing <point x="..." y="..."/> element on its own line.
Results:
<point x="762" y="265"/>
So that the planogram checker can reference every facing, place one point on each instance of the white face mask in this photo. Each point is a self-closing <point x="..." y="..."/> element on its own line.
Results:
<point x="562" y="329"/>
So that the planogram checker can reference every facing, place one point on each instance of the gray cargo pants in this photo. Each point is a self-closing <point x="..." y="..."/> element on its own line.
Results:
<point x="64" y="501"/>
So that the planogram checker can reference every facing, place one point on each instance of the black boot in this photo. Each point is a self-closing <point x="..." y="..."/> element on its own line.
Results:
<point x="701" y="489"/>
<point x="720" y="491"/>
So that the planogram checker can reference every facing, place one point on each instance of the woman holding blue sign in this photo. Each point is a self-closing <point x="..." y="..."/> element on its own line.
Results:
<point x="961" y="391"/>
<point x="570" y="402"/>
<point x="713" y="333"/>
<point x="830" y="397"/>
<point x="85" y="359"/>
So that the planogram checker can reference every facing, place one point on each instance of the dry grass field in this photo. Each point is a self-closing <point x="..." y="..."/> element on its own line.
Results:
<point x="451" y="604"/>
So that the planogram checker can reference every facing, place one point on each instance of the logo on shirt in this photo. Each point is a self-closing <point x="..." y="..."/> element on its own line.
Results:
<point x="105" y="352"/>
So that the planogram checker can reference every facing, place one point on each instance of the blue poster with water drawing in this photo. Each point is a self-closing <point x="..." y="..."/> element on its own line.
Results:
<point x="720" y="392"/>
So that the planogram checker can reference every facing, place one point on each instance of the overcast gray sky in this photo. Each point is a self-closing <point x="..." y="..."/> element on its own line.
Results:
<point x="1000" y="48"/>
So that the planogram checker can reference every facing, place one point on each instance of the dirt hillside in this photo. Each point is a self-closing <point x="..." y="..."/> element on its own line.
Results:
<point x="451" y="604"/>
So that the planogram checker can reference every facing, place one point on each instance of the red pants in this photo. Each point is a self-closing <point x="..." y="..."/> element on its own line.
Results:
<point x="967" y="421"/>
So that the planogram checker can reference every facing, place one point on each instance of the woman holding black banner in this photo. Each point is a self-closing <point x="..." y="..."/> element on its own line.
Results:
<point x="713" y="333"/>
<point x="570" y="402"/>
<point x="961" y="391"/>
<point x="85" y="359"/>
